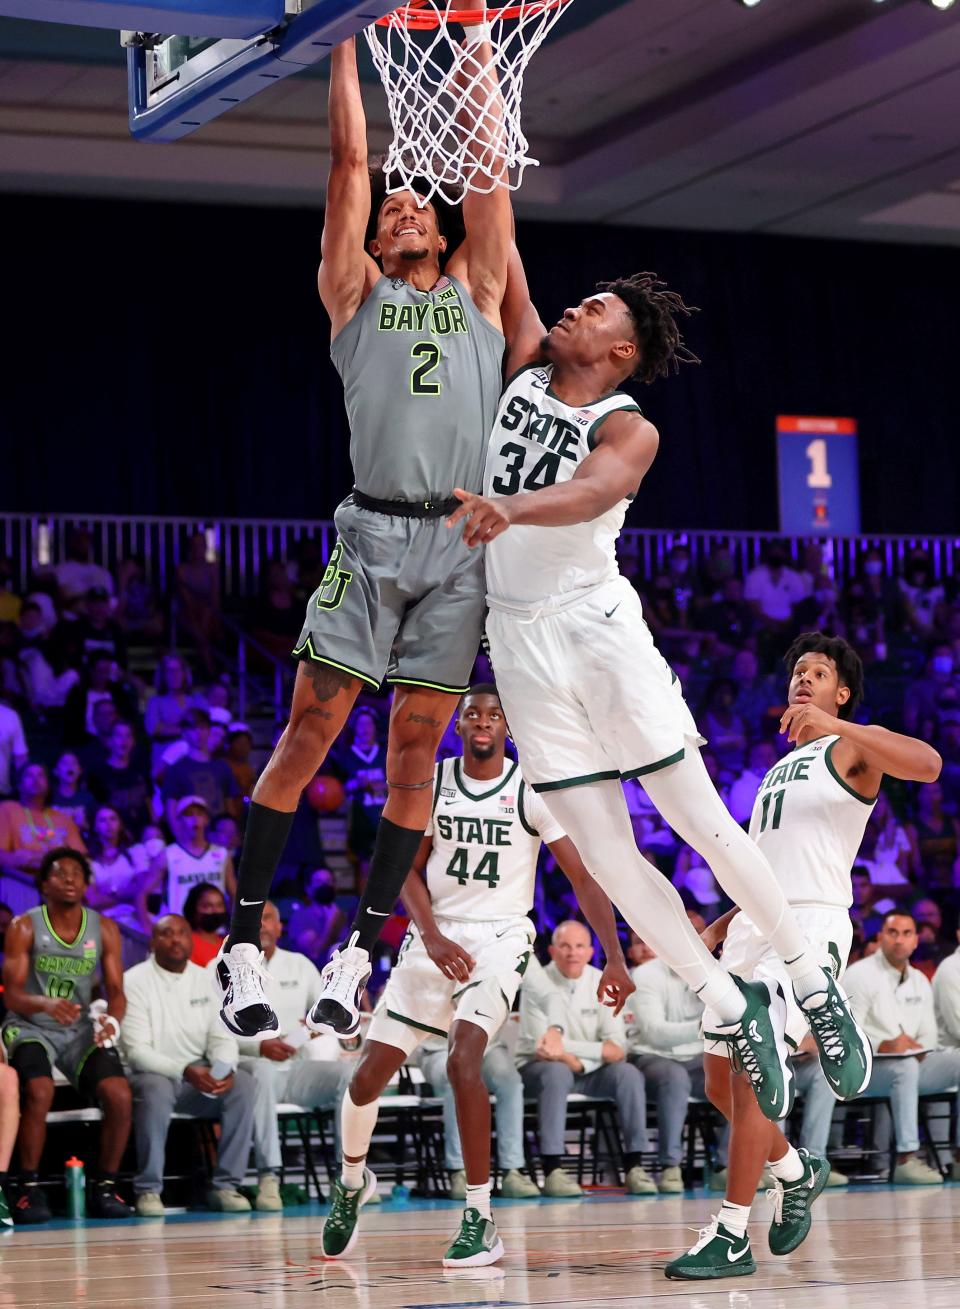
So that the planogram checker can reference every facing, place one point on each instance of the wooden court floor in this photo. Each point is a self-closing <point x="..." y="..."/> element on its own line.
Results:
<point x="869" y="1247"/>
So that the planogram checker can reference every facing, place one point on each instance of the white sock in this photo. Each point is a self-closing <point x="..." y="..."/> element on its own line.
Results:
<point x="597" y="820"/>
<point x="734" y="1217"/>
<point x="356" y="1128"/>
<point x="478" y="1197"/>
<point x="810" y="987"/>
<point x="788" y="1169"/>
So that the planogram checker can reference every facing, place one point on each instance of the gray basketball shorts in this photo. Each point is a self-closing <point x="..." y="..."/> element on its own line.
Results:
<point x="67" y="1047"/>
<point x="401" y="598"/>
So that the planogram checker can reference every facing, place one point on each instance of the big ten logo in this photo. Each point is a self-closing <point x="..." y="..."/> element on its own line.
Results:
<point x="334" y="581"/>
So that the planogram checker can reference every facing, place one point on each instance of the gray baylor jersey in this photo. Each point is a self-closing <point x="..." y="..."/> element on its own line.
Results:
<point x="63" y="970"/>
<point x="421" y="372"/>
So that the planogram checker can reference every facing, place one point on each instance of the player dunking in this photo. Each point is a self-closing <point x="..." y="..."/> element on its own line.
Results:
<point x="420" y="356"/>
<point x="588" y="697"/>
<point x="808" y="819"/>
<point x="459" y="969"/>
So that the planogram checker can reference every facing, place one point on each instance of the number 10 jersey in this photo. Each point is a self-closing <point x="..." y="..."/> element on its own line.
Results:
<point x="486" y="839"/>
<point x="538" y="440"/>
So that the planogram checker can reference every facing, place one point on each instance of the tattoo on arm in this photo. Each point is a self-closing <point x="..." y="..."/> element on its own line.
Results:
<point x="425" y="719"/>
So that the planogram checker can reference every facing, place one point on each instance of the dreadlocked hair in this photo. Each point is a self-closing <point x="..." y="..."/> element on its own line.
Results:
<point x="849" y="666"/>
<point x="654" y="310"/>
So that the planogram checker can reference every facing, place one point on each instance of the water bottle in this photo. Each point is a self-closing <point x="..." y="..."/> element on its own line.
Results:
<point x="400" y="1192"/>
<point x="76" y="1188"/>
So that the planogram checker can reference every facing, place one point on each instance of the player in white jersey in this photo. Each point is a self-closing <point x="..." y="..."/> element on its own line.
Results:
<point x="460" y="967"/>
<point x="808" y="818"/>
<point x="589" y="698"/>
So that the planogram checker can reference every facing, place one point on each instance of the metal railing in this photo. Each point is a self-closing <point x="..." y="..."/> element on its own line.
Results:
<point x="243" y="547"/>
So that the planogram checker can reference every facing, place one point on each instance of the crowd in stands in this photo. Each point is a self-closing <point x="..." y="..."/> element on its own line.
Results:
<point x="128" y="751"/>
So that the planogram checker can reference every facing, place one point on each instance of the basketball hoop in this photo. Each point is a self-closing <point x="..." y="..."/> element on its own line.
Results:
<point x="455" y="112"/>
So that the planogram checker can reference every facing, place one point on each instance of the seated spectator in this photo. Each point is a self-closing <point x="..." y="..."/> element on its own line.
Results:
<point x="13" y="749"/>
<point x="237" y="757"/>
<point x="70" y="794"/>
<point x="120" y="782"/>
<point x="881" y="591"/>
<point x="363" y="767"/>
<point x="280" y="1063"/>
<point x="743" y="790"/>
<point x="922" y="595"/>
<point x="931" y="948"/>
<point x="29" y="827"/>
<point x="865" y="918"/>
<point x="102" y="682"/>
<point x="52" y="955"/>
<point x="893" y="1003"/>
<point x="664" y="1044"/>
<point x="894" y="859"/>
<point x="205" y="909"/>
<point x="117" y="872"/>
<point x="948" y="743"/>
<point x="920" y="702"/>
<point x="226" y="832"/>
<point x="502" y="1080"/>
<point x="773" y="587"/>
<point x="723" y="727"/>
<point x="820" y="610"/>
<point x="46" y="683"/>
<point x="93" y="633"/>
<point x="729" y="620"/>
<point x="946" y="1003"/>
<point x="760" y="701"/>
<point x="936" y="834"/>
<point x="182" y="1060"/>
<point x="197" y="773"/>
<point x="96" y="748"/>
<point x="79" y="573"/>
<point x="137" y="611"/>
<point x="167" y="710"/>
<point x="275" y="621"/>
<point x="316" y="927"/>
<point x="198" y="598"/>
<point x="587" y="1057"/>
<point x="185" y="862"/>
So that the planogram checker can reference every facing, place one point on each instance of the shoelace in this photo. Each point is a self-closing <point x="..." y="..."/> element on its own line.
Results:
<point x="704" y="1235"/>
<point x="247" y="984"/>
<point x="792" y="1203"/>
<point x="339" y="1212"/>
<point x="824" y="1023"/>
<point x="747" y="1060"/>
<point x="344" y="972"/>
<point x="470" y="1229"/>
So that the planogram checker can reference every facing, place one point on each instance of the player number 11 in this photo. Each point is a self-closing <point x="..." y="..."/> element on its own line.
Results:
<point x="777" y="798"/>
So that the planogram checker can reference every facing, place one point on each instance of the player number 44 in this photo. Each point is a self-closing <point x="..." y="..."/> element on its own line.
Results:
<point x="485" y="871"/>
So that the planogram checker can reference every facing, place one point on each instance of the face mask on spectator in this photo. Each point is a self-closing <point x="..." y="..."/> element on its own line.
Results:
<point x="323" y="895"/>
<point x="211" y="922"/>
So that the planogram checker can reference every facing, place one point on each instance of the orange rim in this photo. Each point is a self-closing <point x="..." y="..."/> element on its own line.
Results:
<point x="418" y="17"/>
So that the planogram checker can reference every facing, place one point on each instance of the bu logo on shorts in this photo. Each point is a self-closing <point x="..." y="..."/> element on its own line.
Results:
<point x="334" y="582"/>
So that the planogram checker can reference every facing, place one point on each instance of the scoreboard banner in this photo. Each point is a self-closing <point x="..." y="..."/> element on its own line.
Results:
<point x="818" y="476"/>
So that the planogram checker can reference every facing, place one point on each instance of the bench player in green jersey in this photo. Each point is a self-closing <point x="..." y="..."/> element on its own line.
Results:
<point x="420" y="355"/>
<point x="808" y="819"/>
<point x="53" y="954"/>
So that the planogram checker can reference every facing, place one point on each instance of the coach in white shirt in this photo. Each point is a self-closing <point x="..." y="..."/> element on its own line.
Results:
<point x="172" y="1039"/>
<point x="284" y="1064"/>
<point x="893" y="1003"/>
<point x="946" y="999"/>
<point x="664" y="1044"/>
<point x="588" y="1057"/>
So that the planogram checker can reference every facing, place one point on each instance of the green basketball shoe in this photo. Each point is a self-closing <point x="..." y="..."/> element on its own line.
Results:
<point x="340" y="1231"/>
<point x="846" y="1056"/>
<point x="757" y="1045"/>
<point x="476" y="1244"/>
<point x="6" y="1219"/>
<point x="718" y="1253"/>
<point x="792" y="1202"/>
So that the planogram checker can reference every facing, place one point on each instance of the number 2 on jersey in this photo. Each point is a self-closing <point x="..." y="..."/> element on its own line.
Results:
<point x="485" y="871"/>
<point x="777" y="798"/>
<point x="428" y="352"/>
<point x="543" y="473"/>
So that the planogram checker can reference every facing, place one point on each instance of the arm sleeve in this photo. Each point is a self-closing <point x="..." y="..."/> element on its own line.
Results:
<point x="136" y="1032"/>
<point x="534" y="811"/>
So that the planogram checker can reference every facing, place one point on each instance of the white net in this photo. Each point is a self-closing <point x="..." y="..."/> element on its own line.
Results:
<point x="454" y="100"/>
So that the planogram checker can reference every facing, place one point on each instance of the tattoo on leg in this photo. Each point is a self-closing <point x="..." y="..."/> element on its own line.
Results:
<point x="327" y="682"/>
<point x="316" y="712"/>
<point x="425" y="719"/>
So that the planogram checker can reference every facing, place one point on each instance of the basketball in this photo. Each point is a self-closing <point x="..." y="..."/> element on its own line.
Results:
<point x="325" y="793"/>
